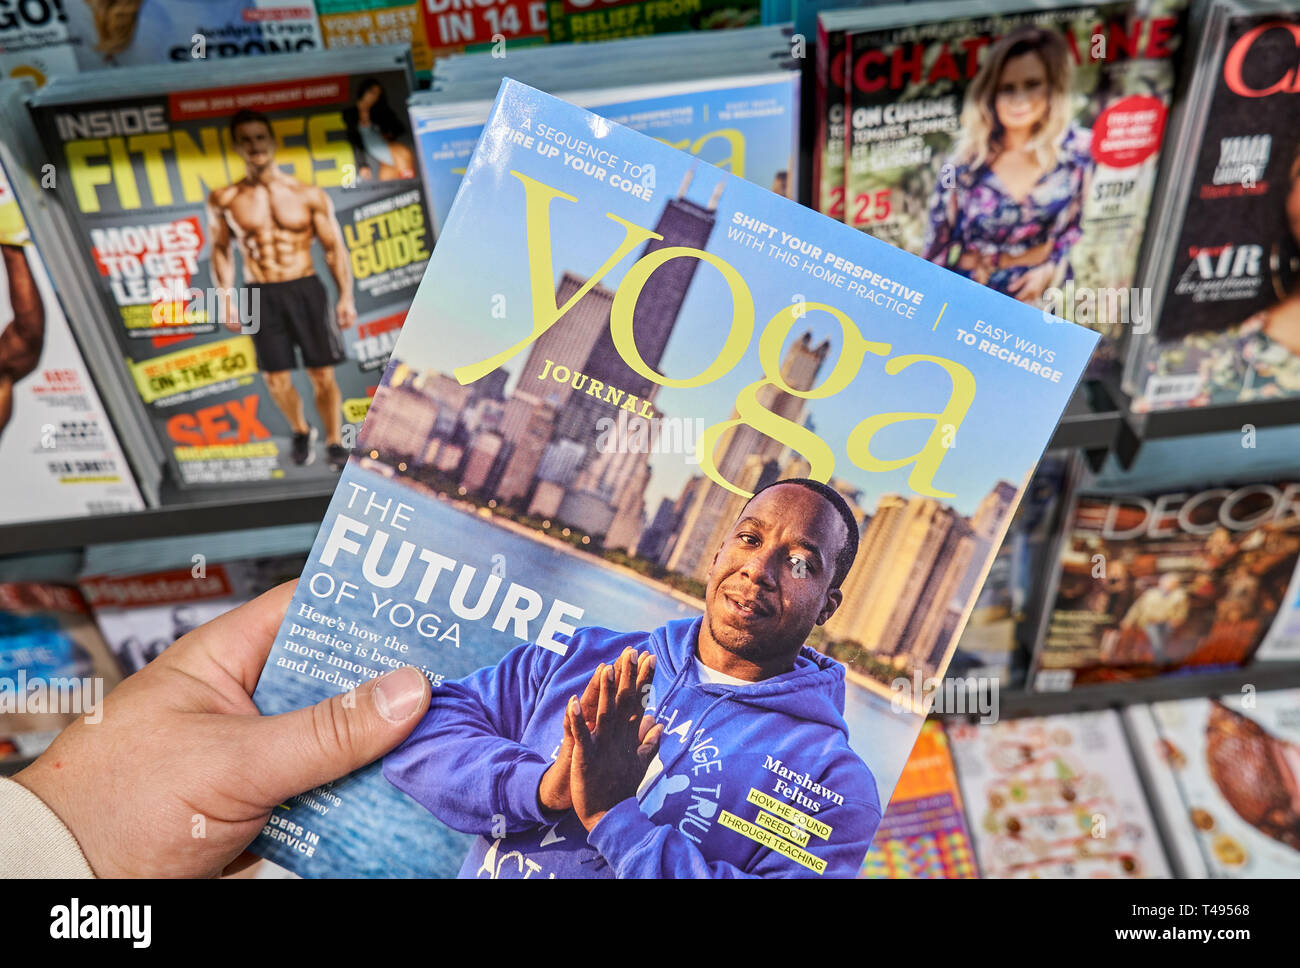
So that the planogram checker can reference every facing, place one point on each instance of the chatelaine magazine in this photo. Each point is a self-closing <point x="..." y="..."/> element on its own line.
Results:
<point x="1230" y="303"/>
<point x="679" y="443"/>
<point x="257" y="247"/>
<point x="927" y="119"/>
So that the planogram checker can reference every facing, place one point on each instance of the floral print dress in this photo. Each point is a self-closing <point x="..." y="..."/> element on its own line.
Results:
<point x="1239" y="364"/>
<point x="972" y="211"/>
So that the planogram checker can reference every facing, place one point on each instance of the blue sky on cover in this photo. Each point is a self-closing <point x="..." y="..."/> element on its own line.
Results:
<point x="483" y="252"/>
<point x="768" y="138"/>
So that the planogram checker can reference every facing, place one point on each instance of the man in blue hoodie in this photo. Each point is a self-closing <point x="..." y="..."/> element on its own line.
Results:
<point x="740" y="765"/>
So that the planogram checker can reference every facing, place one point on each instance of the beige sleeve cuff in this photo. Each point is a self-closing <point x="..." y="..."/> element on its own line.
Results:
<point x="33" y="840"/>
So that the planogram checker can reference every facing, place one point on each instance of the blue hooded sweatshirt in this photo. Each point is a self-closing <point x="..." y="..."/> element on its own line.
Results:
<point x="750" y="781"/>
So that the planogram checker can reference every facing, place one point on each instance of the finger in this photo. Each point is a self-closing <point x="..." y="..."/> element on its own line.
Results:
<point x="626" y="694"/>
<point x="566" y="744"/>
<point x="650" y="746"/>
<point x="645" y="674"/>
<point x="591" y="697"/>
<point x="581" y="734"/>
<point x="300" y="750"/>
<point x="238" y="642"/>
<point x="605" y="709"/>
<point x="647" y="724"/>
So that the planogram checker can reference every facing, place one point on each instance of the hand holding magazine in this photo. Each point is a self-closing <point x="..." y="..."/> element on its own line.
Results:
<point x="680" y="494"/>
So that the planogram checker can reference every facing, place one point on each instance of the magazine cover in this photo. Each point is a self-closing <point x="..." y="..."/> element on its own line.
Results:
<point x="1236" y="760"/>
<point x="564" y="473"/>
<point x="140" y="615"/>
<point x="131" y="33"/>
<point x="990" y="642"/>
<point x="374" y="23"/>
<point x="1056" y="796"/>
<point x="1228" y="286"/>
<point x="747" y="126"/>
<point x="257" y="251"/>
<point x="923" y="832"/>
<point x="1175" y="578"/>
<point x="1157" y="762"/>
<point x="589" y="20"/>
<point x="828" y="137"/>
<point x="54" y="666"/>
<point x="1019" y="151"/>
<point x="1282" y="643"/>
<point x="456" y="27"/>
<point x="60" y="455"/>
<point x="35" y="43"/>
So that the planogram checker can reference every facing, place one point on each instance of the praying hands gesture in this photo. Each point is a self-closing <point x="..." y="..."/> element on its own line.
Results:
<point x="608" y="742"/>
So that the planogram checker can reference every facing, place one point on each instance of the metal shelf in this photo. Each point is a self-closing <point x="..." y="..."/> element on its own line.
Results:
<point x="1091" y="421"/>
<point x="1263" y="676"/>
<point x="1209" y="420"/>
<point x="182" y="513"/>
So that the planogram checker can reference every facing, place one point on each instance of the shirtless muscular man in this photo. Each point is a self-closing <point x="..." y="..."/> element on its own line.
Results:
<point x="22" y="340"/>
<point x="274" y="218"/>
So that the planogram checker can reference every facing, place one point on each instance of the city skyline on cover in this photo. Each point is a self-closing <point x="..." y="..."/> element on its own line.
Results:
<point x="460" y="327"/>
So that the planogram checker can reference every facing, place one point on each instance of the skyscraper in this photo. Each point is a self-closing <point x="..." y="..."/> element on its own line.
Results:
<point x="874" y="546"/>
<point x="682" y="223"/>
<point x="693" y="550"/>
<point x="610" y="483"/>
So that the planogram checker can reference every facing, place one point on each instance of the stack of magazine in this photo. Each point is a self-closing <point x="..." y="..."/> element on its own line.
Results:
<point x="616" y="412"/>
<point x="251" y="249"/>
<point x="1223" y="773"/>
<point x="146" y="594"/>
<point x="580" y="21"/>
<point x="367" y="23"/>
<point x="1166" y="568"/>
<point x="39" y="41"/>
<point x="61" y="454"/>
<point x="1016" y="145"/>
<point x="737" y="107"/>
<point x="54" y="666"/>
<point x="1223" y="261"/>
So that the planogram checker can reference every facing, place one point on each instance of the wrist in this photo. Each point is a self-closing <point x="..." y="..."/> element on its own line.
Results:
<point x="44" y="821"/>
<point x="519" y="793"/>
<point x="551" y="800"/>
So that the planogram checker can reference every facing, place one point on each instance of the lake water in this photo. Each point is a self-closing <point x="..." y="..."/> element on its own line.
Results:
<point x="377" y="831"/>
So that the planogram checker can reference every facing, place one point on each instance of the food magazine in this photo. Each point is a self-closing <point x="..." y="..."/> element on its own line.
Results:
<point x="1167" y="579"/>
<point x="1056" y="796"/>
<point x="752" y="459"/>
<point x="1236" y="764"/>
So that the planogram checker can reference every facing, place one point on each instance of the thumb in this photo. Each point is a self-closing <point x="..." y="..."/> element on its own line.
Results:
<point x="300" y="750"/>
